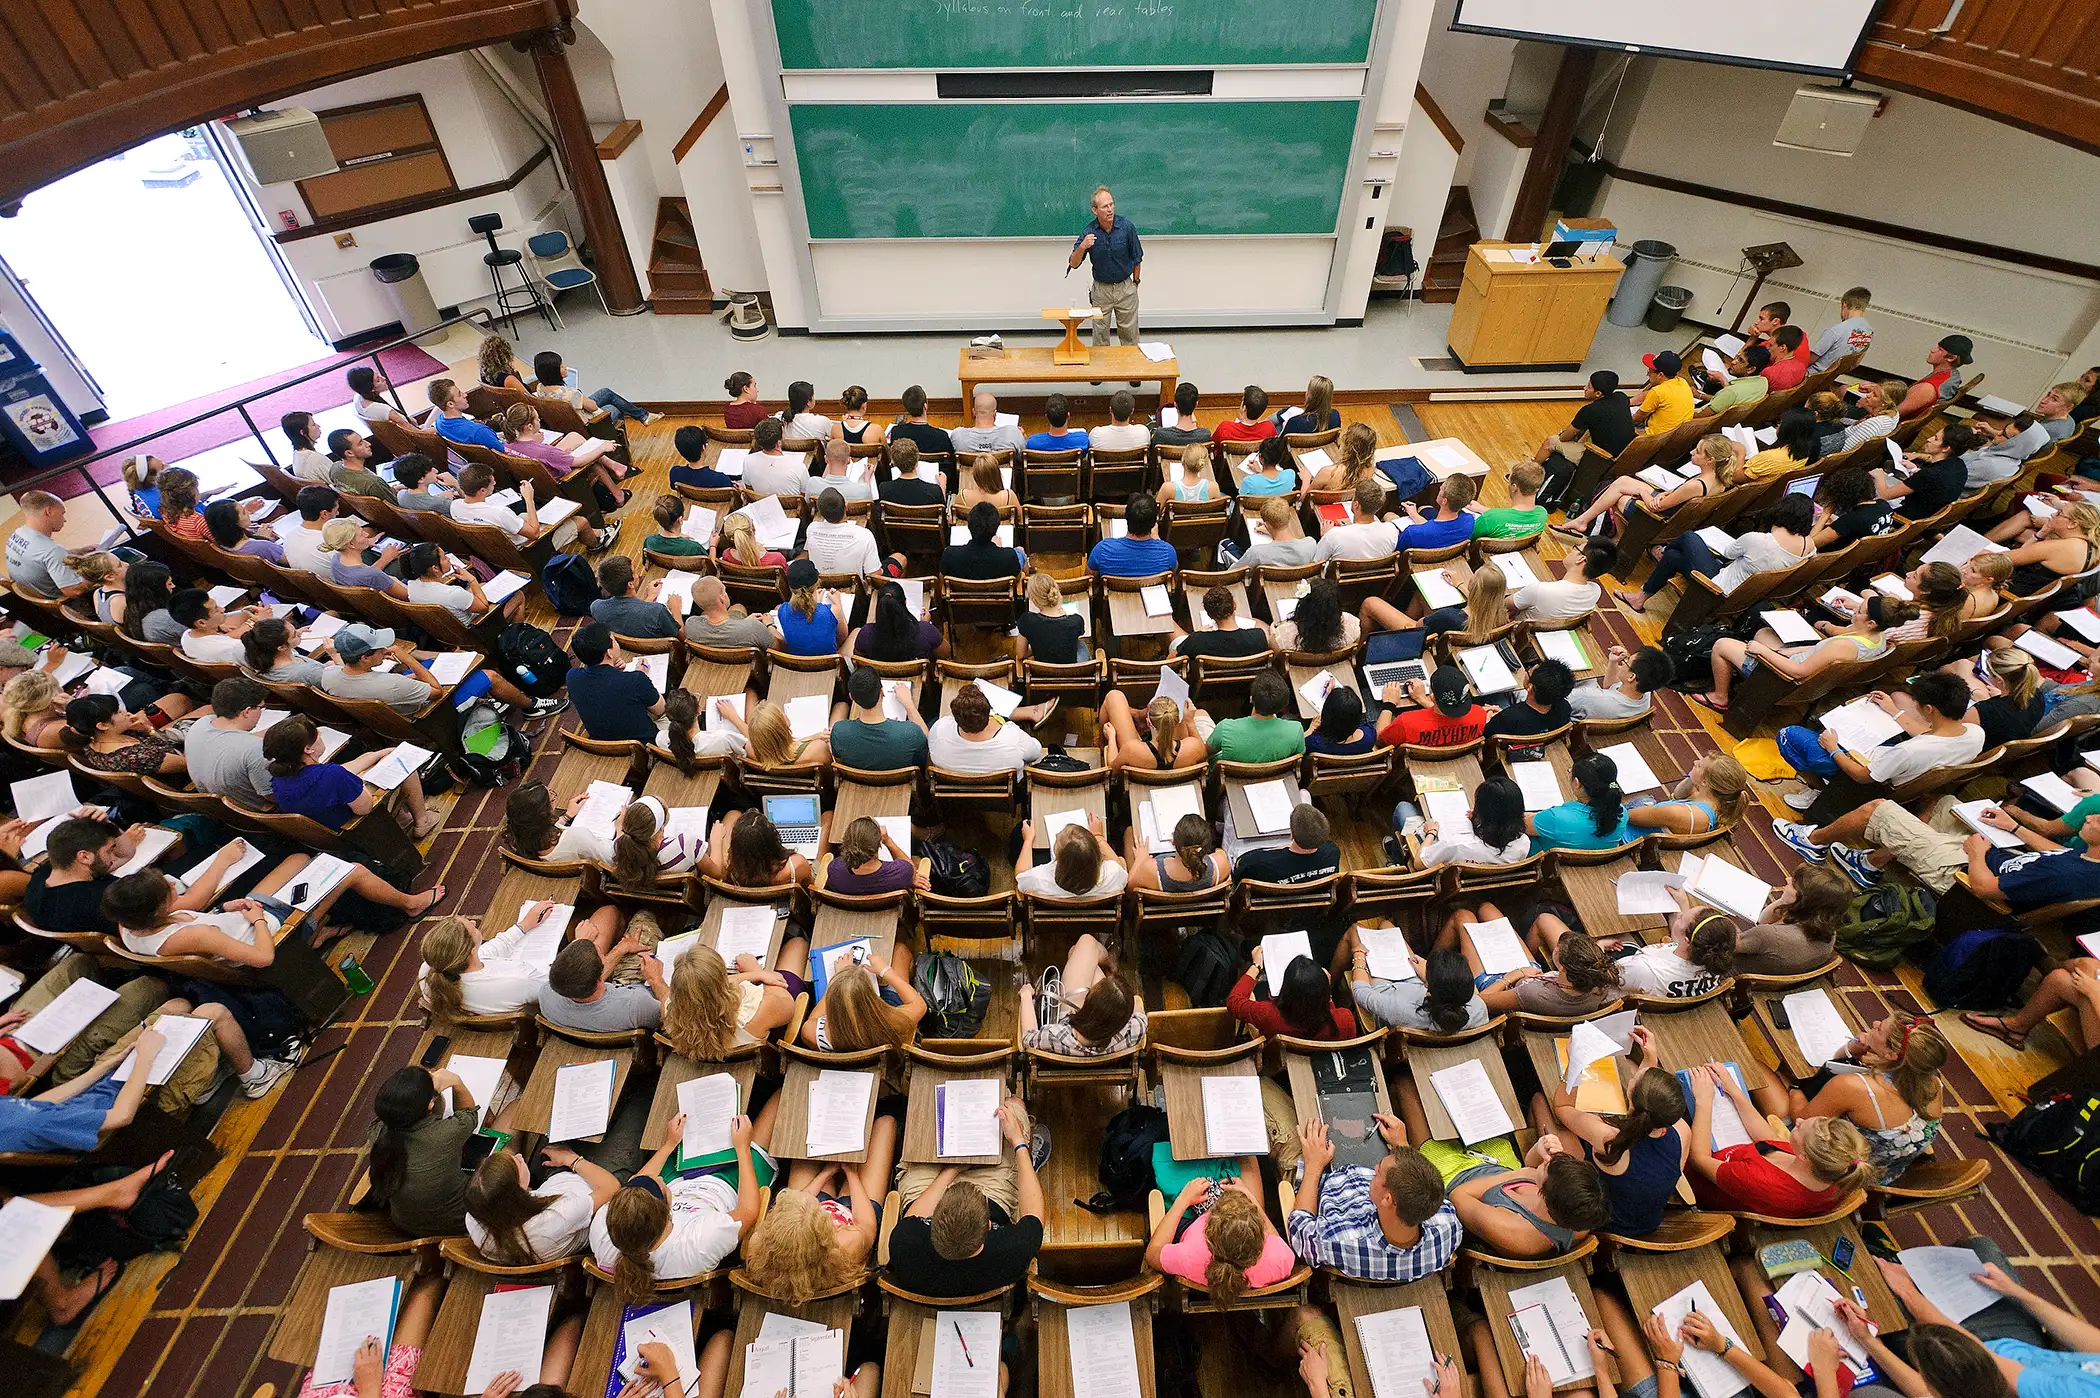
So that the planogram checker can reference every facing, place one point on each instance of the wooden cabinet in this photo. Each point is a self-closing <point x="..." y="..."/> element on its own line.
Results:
<point x="1525" y="315"/>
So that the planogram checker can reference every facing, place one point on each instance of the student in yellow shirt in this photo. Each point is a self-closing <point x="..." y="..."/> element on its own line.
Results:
<point x="1668" y="401"/>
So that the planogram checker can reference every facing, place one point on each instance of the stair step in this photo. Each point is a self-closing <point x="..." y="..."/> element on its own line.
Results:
<point x="674" y="262"/>
<point x="680" y="293"/>
<point x="671" y="235"/>
<point x="693" y="283"/>
<point x="1439" y="295"/>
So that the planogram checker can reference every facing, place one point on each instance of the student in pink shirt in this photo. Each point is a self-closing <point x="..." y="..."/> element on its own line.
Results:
<point x="522" y="437"/>
<point x="1230" y="1248"/>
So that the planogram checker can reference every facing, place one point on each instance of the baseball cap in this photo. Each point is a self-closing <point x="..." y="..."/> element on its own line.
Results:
<point x="357" y="640"/>
<point x="802" y="573"/>
<point x="1960" y="346"/>
<point x="1663" y="361"/>
<point x="1448" y="687"/>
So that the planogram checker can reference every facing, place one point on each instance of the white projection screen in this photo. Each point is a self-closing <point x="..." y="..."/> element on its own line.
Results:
<point x="1811" y="36"/>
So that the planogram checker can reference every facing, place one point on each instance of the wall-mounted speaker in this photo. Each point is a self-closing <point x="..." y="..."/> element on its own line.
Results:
<point x="1829" y="120"/>
<point x="284" y="145"/>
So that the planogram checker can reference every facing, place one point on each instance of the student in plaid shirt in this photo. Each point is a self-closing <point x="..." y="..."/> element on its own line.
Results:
<point x="1391" y="1224"/>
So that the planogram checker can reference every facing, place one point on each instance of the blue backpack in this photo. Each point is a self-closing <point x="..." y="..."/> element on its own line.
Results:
<point x="1982" y="969"/>
<point x="571" y="584"/>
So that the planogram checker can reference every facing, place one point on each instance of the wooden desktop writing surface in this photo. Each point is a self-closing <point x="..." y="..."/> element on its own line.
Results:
<point x="1651" y="1278"/>
<point x="1354" y="1300"/>
<point x="1424" y="1059"/>
<point x="831" y="1312"/>
<point x="1495" y="1286"/>
<point x="679" y="1069"/>
<point x="1186" y="1123"/>
<point x="1053" y="1349"/>
<point x="1764" y="1004"/>
<point x="1702" y="1034"/>
<point x="1532" y="315"/>
<point x="1037" y="364"/>
<point x="907" y="1342"/>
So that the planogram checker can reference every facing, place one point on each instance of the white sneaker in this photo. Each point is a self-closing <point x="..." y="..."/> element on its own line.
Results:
<point x="266" y="1073"/>
<point x="1801" y="800"/>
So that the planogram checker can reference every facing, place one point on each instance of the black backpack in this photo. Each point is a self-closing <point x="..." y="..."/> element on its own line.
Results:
<point x="955" y="872"/>
<point x="1207" y="968"/>
<point x="1691" y="652"/>
<point x="1982" y="969"/>
<point x="2058" y="1139"/>
<point x="532" y="660"/>
<point x="1126" y="1159"/>
<point x="571" y="584"/>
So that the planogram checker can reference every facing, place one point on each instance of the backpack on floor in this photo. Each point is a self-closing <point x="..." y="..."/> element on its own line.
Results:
<point x="490" y="762"/>
<point x="1691" y="652"/>
<point x="955" y="872"/>
<point x="956" y="996"/>
<point x="1886" y="921"/>
<point x="571" y="584"/>
<point x="532" y="660"/>
<point x="1126" y="1159"/>
<point x="1982" y="969"/>
<point x="2059" y="1140"/>
<point x="1206" y="968"/>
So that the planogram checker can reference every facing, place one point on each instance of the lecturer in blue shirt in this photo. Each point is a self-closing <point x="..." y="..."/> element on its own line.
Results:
<point x="1119" y="259"/>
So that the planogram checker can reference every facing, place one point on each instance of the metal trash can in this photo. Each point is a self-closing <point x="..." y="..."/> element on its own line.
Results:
<point x="1668" y="307"/>
<point x="1644" y="272"/>
<point x="400" y="276"/>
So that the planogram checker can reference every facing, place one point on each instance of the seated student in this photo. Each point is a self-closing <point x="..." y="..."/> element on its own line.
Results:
<point x="416" y="1176"/>
<point x="1666" y="404"/>
<point x="1193" y="863"/>
<point x="465" y="973"/>
<point x="839" y="545"/>
<point x="684" y="738"/>
<point x="80" y="1113"/>
<point x="860" y="866"/>
<point x="985" y="434"/>
<point x="1937" y="474"/>
<point x="1086" y="1008"/>
<point x="745" y="850"/>
<point x="1795" y="1175"/>
<point x="1271" y="472"/>
<point x="770" y="471"/>
<point x="1267" y="734"/>
<point x="436" y="578"/>
<point x="1302" y="1006"/>
<point x="1195" y="482"/>
<point x="1368" y="536"/>
<point x="1319" y="625"/>
<point x="1160" y="737"/>
<point x="1944" y="1358"/>
<point x="769" y="740"/>
<point x="2036" y="875"/>
<point x="743" y="411"/>
<point x="516" y="1225"/>
<point x="1789" y="367"/>
<point x="1936" y="734"/>
<point x="553" y="379"/>
<point x="1798" y="445"/>
<point x="1523" y="515"/>
<point x="1595" y="820"/>
<point x="1253" y="422"/>
<point x="35" y="558"/>
<point x="868" y="739"/>
<point x="230" y="532"/>
<point x="334" y="793"/>
<point x="1216" y="1235"/>
<point x="1186" y="431"/>
<point x="30" y="704"/>
<point x="1710" y="795"/>
<point x="1356" y="459"/>
<point x="359" y="649"/>
<point x="1848" y="510"/>
<point x="931" y="440"/>
<point x="1583" y="978"/>
<point x="973" y="739"/>
<point x="477" y="482"/>
<point x="2066" y="543"/>
<point x="1047" y="631"/>
<point x="1896" y="1103"/>
<point x="1080" y="865"/>
<point x="1874" y="415"/>
<point x="1342" y="730"/>
<point x="808" y="622"/>
<point x="101" y="735"/>
<point x="303" y="431"/>
<point x="900" y="478"/>
<point x="2008" y="694"/>
<point x="301" y="537"/>
<point x="1781" y="543"/>
<point x="1642" y="1158"/>
<point x="1140" y="553"/>
<point x="211" y="634"/>
<point x="81" y="858"/>
<point x="1445" y="714"/>
<point x="423" y="486"/>
<point x="1714" y="456"/>
<point x="714" y="622"/>
<point x="615" y="704"/>
<point x="954" y="1240"/>
<point x="1440" y="998"/>
<point x="982" y="483"/>
<point x="1605" y="418"/>
<point x="1384" y="1223"/>
<point x="2004" y="451"/>
<point x="267" y="652"/>
<point x="1057" y="410"/>
<point x="652" y="1229"/>
<point x="350" y="466"/>
<point x="1482" y="611"/>
<point x="1121" y="434"/>
<point x="712" y="1006"/>
<point x="1318" y="415"/>
<point x="582" y="993"/>
<point x="1628" y="686"/>
<point x="1227" y="638"/>
<point x="691" y="445"/>
<point x="154" y="921"/>
<point x="625" y="612"/>
<point x="1544" y="709"/>
<point x="1541" y="1206"/>
<point x="643" y="854"/>
<point x="1829" y="411"/>
<point x="1797" y="931"/>
<point x="984" y="557"/>
<point x="1697" y="957"/>
<point x="1865" y="637"/>
<point x="1450" y="524"/>
<point x="894" y="634"/>
<point x="670" y="539"/>
<point x="565" y="456"/>
<point x="818" y="1233"/>
<point x="142" y="478"/>
<point x="346" y="542"/>
<point x="1575" y="593"/>
<point x="1496" y="829"/>
<point x="1746" y="383"/>
<point x="866" y="1006"/>
<point x="1311" y="855"/>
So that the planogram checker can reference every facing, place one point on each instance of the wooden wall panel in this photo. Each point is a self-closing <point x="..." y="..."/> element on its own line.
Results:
<point x="2034" y="63"/>
<point x="83" y="79"/>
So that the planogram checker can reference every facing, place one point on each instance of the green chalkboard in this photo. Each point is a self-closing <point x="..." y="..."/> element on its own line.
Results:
<point x="1027" y="169"/>
<point x="1068" y="33"/>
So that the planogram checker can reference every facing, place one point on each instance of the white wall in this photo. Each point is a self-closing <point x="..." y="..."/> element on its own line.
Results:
<point x="1462" y="71"/>
<point x="667" y="65"/>
<point x="632" y="184"/>
<point x="1498" y="173"/>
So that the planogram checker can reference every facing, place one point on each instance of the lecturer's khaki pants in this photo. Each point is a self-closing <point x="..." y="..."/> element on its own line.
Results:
<point x="1118" y="303"/>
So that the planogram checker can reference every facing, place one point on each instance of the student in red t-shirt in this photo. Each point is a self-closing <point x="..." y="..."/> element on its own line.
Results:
<point x="1251" y="425"/>
<point x="1789" y="364"/>
<point x="1789" y="1175"/>
<point x="1447" y="718"/>
<point x="1303" y="1007"/>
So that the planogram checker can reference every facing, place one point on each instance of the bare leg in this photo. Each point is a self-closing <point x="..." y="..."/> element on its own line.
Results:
<point x="1378" y="614"/>
<point x="1771" y="1096"/>
<point x="233" y="1044"/>
<point x="1751" y="1282"/>
<point x="1628" y="1349"/>
<point x="507" y="693"/>
<point x="867" y="1380"/>
<point x="2053" y="994"/>
<point x="1544" y="934"/>
<point x="281" y="876"/>
<point x="418" y="1310"/>
<point x="1083" y="967"/>
<point x="1849" y="828"/>
<point x="1345" y="953"/>
<point x="794" y="957"/>
<point x="1412" y="1112"/>
<point x="601" y="929"/>
<point x="714" y="1366"/>
<point x="1486" y="1362"/>
<point x="882" y="1157"/>
<point x="65" y="1303"/>
<point x="366" y="884"/>
<point x="560" y="1354"/>
<point x="1728" y="657"/>
<point x="2011" y="527"/>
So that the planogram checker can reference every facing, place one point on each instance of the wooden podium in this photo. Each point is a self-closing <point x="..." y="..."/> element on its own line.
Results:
<point x="1528" y="315"/>
<point x="1071" y="349"/>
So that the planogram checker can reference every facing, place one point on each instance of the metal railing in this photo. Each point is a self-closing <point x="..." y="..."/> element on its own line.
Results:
<point x="83" y="467"/>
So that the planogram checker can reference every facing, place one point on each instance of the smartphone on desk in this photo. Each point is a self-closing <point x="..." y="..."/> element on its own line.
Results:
<point x="440" y="1045"/>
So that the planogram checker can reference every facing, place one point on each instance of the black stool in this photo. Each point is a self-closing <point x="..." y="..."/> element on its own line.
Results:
<point x="509" y="299"/>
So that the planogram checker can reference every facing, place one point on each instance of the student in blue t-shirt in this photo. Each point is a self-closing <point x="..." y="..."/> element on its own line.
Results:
<point x="75" y="1116"/>
<point x="1977" y="1359"/>
<point x="1138" y="554"/>
<point x="451" y="422"/>
<point x="1597" y="821"/>
<point x="1058" y="409"/>
<point x="807" y="622"/>
<point x="692" y="445"/>
<point x="1450" y="525"/>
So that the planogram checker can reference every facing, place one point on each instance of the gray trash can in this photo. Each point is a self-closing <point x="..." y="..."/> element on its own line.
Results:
<point x="1668" y="307"/>
<point x="1644" y="272"/>
<point x="400" y="277"/>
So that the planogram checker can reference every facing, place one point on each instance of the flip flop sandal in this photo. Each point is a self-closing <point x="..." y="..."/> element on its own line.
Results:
<point x="1997" y="1031"/>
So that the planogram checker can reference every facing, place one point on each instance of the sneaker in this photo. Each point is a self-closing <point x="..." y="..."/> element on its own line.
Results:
<point x="1854" y="863"/>
<point x="258" y="1080"/>
<point x="1801" y="798"/>
<point x="606" y="538"/>
<point x="1050" y="1000"/>
<point x="1796" y="835"/>
<point x="542" y="708"/>
<point x="651" y="419"/>
<point x="1038" y="1144"/>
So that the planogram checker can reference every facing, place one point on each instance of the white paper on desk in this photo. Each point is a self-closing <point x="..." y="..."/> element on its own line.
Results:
<point x="699" y="525"/>
<point x="968" y="1113"/>
<point x="583" y="1101"/>
<point x="1003" y="536"/>
<point x="710" y="1106"/>
<point x="453" y="666"/>
<point x="240" y="866"/>
<point x="1959" y="546"/>
<point x="511" y="1335"/>
<point x="227" y="595"/>
<point x="40" y="798"/>
<point x="1730" y="889"/>
<point x="838" y="1112"/>
<point x="1270" y="804"/>
<point x="354" y="1312"/>
<point x="808" y="715"/>
<point x="1436" y="591"/>
<point x="1118" y="528"/>
<point x="1809" y="1300"/>
<point x="1498" y="946"/>
<point x="897" y="702"/>
<point x="1564" y="647"/>
<point x="1728" y="1122"/>
<point x="320" y="876"/>
<point x="1387" y="955"/>
<point x="1317" y="688"/>
<point x="1947" y="1276"/>
<point x="914" y="590"/>
<point x="481" y="1077"/>
<point x="2053" y="789"/>
<point x="1730" y="345"/>
<point x="1661" y="477"/>
<point x="2084" y="621"/>
<point x="182" y="1033"/>
<point x="1970" y="813"/>
<point x="1278" y="951"/>
<point x="715" y="722"/>
<point x="730" y="461"/>
<point x="1315" y="460"/>
<point x="1172" y="686"/>
<point x="1157" y="602"/>
<point x="544" y="940"/>
<point x="553" y="512"/>
<point x="778" y="1326"/>
<point x="1716" y="539"/>
<point x="1645" y="892"/>
<point x="1862" y="725"/>
<point x="1594" y="1039"/>
<point x="1158" y="351"/>
<point x="1539" y="783"/>
<point x="1791" y="626"/>
<point x="769" y="522"/>
<point x="500" y="587"/>
<point x="2055" y="654"/>
<point x="1452" y="811"/>
<point x="73" y="1009"/>
<point x="1164" y="808"/>
<point x="1055" y="821"/>
<point x="1844" y="603"/>
<point x="1487" y="670"/>
<point x="656" y="667"/>
<point x="670" y="949"/>
<point x="745" y="928"/>
<point x="1101" y="1343"/>
<point x="395" y="767"/>
<point x="1232" y="1117"/>
<point x="1557" y="1330"/>
<point x="1469" y="1098"/>
<point x="1003" y="700"/>
<point x="1714" y="1376"/>
<point x="1514" y="569"/>
<point x="1634" y="772"/>
<point x="1819" y="1031"/>
<point x="965" y="1354"/>
<point x="27" y="1231"/>
<point x="602" y="805"/>
<point x="1889" y="585"/>
<point x="1397" y="1352"/>
<point x="155" y="842"/>
<point x="671" y="1326"/>
<point x="11" y="984"/>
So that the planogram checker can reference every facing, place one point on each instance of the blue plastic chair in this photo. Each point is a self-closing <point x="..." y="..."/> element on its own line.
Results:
<point x="554" y="259"/>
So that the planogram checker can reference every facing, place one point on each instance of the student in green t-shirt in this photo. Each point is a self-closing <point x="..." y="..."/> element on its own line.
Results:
<point x="2063" y="830"/>
<point x="1523" y="514"/>
<point x="669" y="514"/>
<point x="1266" y="736"/>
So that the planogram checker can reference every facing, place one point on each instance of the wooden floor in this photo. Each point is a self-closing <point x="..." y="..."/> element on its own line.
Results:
<point x="195" y="1326"/>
